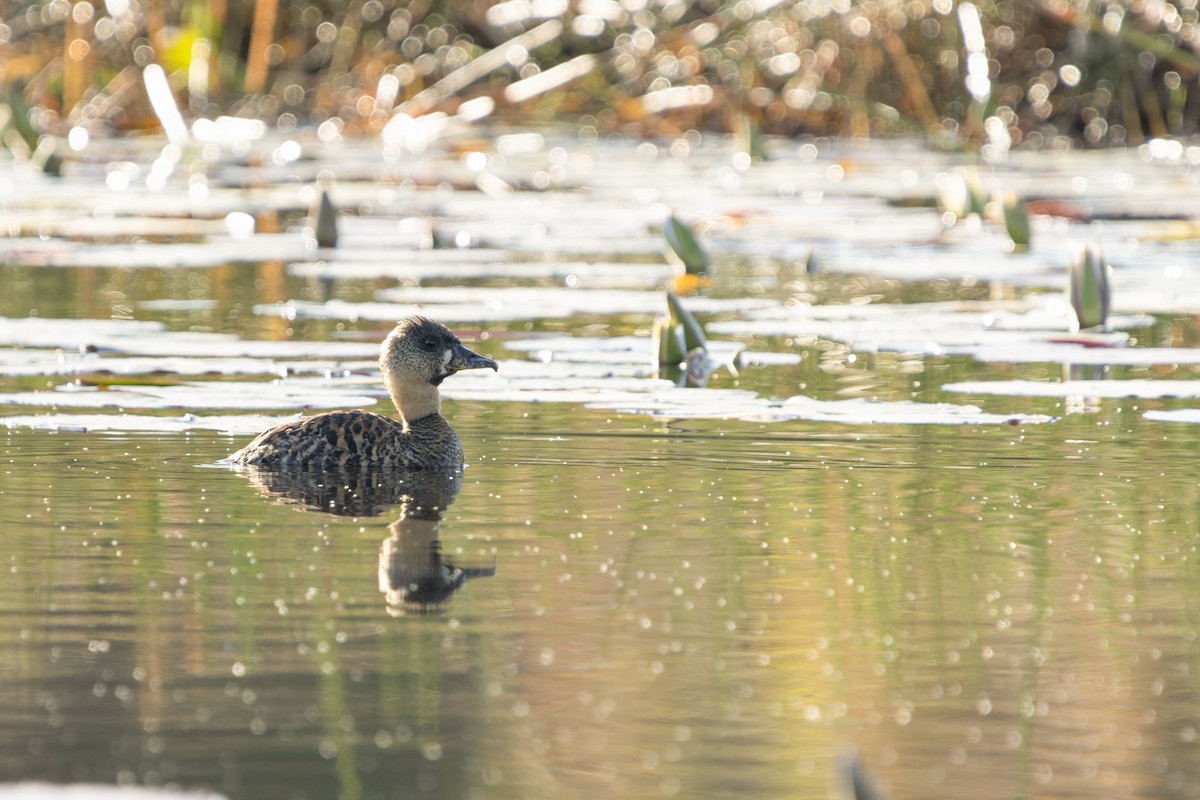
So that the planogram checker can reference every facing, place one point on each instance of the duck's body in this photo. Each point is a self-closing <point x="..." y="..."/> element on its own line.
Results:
<point x="417" y="356"/>
<point x="350" y="440"/>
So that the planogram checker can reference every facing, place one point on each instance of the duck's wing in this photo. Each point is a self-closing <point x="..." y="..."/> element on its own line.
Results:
<point x="336" y="440"/>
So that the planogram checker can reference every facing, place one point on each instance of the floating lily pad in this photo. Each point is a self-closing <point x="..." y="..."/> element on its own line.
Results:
<point x="1071" y="353"/>
<point x="1033" y="330"/>
<point x="715" y="404"/>
<point x="167" y="304"/>
<point x="1083" y="388"/>
<point x="903" y="412"/>
<point x="50" y="362"/>
<point x="758" y="358"/>
<point x="135" y="337"/>
<point x="612" y="350"/>
<point x="90" y="791"/>
<point x="1190" y="415"/>
<point x="236" y="425"/>
<point x="214" y="252"/>
<point x="226" y="395"/>
<point x="71" y="333"/>
<point x="491" y="304"/>
<point x="378" y="312"/>
<point x="661" y="398"/>
<point x="534" y="302"/>
<point x="466" y="266"/>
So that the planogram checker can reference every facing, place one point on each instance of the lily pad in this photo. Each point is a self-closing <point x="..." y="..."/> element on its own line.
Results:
<point x="235" y="425"/>
<point x="535" y="302"/>
<point x="88" y="791"/>
<point x="168" y="304"/>
<point x="1190" y="415"/>
<point x="378" y="312"/>
<point x="51" y="362"/>
<point x="467" y="267"/>
<point x="903" y="412"/>
<point x="135" y="337"/>
<point x="612" y="350"/>
<point x="225" y="395"/>
<point x="730" y="404"/>
<point x="759" y="358"/>
<point x="1082" y="388"/>
<point x="661" y="398"/>
<point x="214" y="252"/>
<point x="1032" y="330"/>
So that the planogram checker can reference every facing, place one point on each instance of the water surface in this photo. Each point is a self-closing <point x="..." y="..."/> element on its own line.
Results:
<point x="716" y="611"/>
<point x="604" y="604"/>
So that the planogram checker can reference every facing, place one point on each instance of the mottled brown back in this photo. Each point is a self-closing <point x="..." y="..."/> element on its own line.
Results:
<point x="352" y="440"/>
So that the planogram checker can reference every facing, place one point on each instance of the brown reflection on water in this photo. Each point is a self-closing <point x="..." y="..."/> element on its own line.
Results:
<point x="413" y="575"/>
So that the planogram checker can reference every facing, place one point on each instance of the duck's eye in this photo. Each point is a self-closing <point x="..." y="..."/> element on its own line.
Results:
<point x="429" y="343"/>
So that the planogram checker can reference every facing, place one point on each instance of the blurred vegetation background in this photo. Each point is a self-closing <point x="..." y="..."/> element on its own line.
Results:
<point x="1018" y="73"/>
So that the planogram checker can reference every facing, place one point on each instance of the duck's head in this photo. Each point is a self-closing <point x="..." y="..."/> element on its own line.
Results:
<point x="421" y="350"/>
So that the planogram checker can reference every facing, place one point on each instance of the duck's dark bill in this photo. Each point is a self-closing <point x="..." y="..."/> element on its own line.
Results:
<point x="463" y="358"/>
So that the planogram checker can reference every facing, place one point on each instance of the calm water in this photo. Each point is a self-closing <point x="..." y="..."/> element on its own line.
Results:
<point x="602" y="605"/>
<point x="718" y="610"/>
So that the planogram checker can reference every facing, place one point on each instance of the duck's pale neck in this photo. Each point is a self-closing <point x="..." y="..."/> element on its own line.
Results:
<point x="413" y="399"/>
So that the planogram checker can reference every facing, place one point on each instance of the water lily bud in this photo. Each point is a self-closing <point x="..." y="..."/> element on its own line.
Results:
<point x="952" y="196"/>
<point x="668" y="341"/>
<point x="693" y="334"/>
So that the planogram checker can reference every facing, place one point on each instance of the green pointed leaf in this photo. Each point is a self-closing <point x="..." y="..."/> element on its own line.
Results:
<point x="324" y="223"/>
<point x="693" y="334"/>
<point x="810" y="262"/>
<point x="1089" y="289"/>
<point x="749" y="137"/>
<point x="976" y="195"/>
<point x="1016" y="219"/>
<point x="668" y="341"/>
<point x="684" y="245"/>
<point x="47" y="157"/>
<point x="18" y="120"/>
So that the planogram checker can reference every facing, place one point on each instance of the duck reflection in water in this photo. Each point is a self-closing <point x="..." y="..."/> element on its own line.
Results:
<point x="413" y="575"/>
